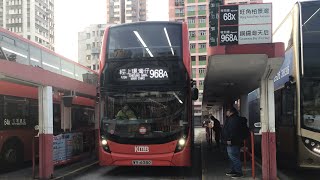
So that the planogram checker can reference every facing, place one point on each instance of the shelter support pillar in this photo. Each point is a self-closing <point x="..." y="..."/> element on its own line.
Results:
<point x="45" y="132"/>
<point x="244" y="106"/>
<point x="267" y="112"/>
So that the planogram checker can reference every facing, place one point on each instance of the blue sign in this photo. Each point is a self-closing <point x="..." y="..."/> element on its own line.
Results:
<point x="285" y="71"/>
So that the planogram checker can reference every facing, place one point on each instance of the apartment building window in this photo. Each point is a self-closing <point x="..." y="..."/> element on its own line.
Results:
<point x="191" y="20"/>
<point x="202" y="45"/>
<point x="94" y="67"/>
<point x="193" y="58"/>
<point x="192" y="46"/>
<point x="179" y="12"/>
<point x="88" y="57"/>
<point x="202" y="19"/>
<point x="191" y="10"/>
<point x="201" y="7"/>
<point x="202" y="33"/>
<point x="179" y="3"/>
<point x="88" y="46"/>
<point x="117" y="6"/>
<point x="93" y="33"/>
<point x="202" y="60"/>
<point x="192" y="35"/>
<point x="129" y="5"/>
<point x="202" y="70"/>
<point x="88" y="35"/>
<point x="101" y="32"/>
<point x="194" y="72"/>
<point x="128" y="11"/>
<point x="201" y="82"/>
<point x="93" y="44"/>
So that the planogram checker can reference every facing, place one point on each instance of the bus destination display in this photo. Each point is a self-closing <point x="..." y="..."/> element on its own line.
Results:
<point x="142" y="74"/>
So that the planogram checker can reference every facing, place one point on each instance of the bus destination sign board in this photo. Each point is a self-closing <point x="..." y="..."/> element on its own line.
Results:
<point x="143" y="73"/>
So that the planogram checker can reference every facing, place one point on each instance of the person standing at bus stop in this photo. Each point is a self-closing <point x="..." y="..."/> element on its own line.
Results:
<point x="231" y="134"/>
<point x="217" y="130"/>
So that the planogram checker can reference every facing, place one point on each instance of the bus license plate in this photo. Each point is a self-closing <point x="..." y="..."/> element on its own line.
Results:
<point x="142" y="162"/>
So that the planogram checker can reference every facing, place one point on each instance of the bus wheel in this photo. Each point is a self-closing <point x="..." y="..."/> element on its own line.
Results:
<point x="12" y="154"/>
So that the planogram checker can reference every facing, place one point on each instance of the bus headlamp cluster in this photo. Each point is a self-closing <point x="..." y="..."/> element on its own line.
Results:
<point x="312" y="145"/>
<point x="104" y="143"/>
<point x="181" y="143"/>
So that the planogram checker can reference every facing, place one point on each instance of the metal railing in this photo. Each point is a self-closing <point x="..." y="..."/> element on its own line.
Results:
<point x="251" y="154"/>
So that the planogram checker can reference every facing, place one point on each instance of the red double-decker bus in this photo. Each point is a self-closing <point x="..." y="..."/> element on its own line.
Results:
<point x="146" y="95"/>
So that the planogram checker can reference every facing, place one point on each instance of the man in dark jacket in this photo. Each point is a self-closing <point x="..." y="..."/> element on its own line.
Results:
<point x="231" y="134"/>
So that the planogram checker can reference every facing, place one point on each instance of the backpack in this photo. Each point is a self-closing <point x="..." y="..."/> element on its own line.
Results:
<point x="245" y="132"/>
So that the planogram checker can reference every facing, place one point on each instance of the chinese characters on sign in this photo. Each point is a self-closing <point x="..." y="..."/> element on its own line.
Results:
<point x="213" y="21"/>
<point x="255" y="14"/>
<point x="141" y="74"/>
<point x="227" y="2"/>
<point x="249" y="34"/>
<point x="14" y="122"/>
<point x="245" y="24"/>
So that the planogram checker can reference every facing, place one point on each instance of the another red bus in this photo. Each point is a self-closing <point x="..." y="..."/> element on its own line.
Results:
<point x="146" y="67"/>
<point x="19" y="103"/>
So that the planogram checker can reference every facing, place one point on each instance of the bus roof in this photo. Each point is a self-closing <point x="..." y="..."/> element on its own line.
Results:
<point x="146" y="22"/>
<point x="43" y="48"/>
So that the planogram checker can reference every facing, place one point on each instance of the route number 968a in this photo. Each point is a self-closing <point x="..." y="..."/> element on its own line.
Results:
<point x="158" y="73"/>
<point x="228" y="38"/>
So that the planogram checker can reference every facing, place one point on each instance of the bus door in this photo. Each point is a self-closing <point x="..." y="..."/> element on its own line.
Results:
<point x="285" y="113"/>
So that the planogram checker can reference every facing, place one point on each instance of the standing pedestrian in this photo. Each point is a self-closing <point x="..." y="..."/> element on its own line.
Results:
<point x="231" y="133"/>
<point x="217" y="130"/>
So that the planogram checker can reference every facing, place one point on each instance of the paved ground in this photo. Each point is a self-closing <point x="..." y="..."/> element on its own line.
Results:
<point x="209" y="164"/>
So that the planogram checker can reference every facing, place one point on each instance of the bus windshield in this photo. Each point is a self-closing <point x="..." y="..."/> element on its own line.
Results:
<point x="144" y="41"/>
<point x="311" y="65"/>
<point x="311" y="38"/>
<point x="311" y="103"/>
<point x="144" y="115"/>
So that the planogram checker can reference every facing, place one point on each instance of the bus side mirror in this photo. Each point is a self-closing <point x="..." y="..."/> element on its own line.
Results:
<point x="194" y="93"/>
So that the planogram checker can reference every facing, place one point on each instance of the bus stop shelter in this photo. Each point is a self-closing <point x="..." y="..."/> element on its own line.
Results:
<point x="233" y="71"/>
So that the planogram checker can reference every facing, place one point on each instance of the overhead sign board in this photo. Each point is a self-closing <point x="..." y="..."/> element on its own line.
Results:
<point x="227" y="2"/>
<point x="213" y="21"/>
<point x="245" y="24"/>
<point x="245" y="14"/>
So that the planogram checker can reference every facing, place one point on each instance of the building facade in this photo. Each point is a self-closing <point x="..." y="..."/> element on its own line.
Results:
<point x="196" y="14"/>
<point x="32" y="19"/>
<point x="126" y="11"/>
<point x="89" y="45"/>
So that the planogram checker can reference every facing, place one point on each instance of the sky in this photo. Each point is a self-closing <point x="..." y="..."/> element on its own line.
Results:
<point x="68" y="22"/>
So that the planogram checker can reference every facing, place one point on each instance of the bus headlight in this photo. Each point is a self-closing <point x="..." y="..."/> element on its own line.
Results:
<point x="104" y="142"/>
<point x="181" y="144"/>
<point x="312" y="145"/>
<point x="105" y="146"/>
